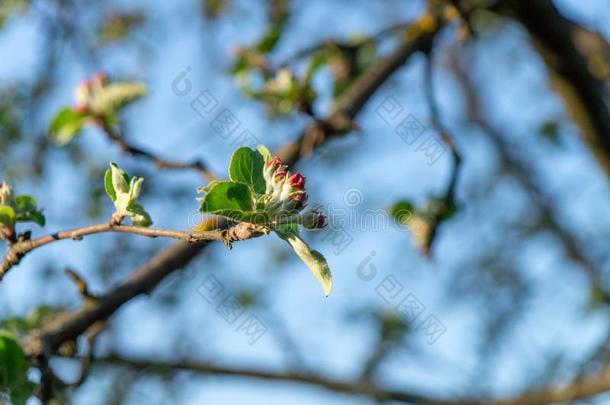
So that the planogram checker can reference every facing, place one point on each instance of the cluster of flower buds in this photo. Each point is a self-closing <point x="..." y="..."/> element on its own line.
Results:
<point x="84" y="90"/>
<point x="286" y="192"/>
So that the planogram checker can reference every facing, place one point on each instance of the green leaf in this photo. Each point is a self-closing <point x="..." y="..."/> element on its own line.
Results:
<point x="229" y="199"/>
<point x="246" y="167"/>
<point x="108" y="185"/>
<point x="120" y="179"/>
<point x="135" y="187"/>
<point x="206" y="189"/>
<point x="111" y="98"/>
<point x="7" y="215"/>
<point x="124" y="192"/>
<point x="269" y="40"/>
<point x="402" y="211"/>
<point x="262" y="149"/>
<point x="14" y="369"/>
<point x="26" y="210"/>
<point x="25" y="203"/>
<point x="139" y="216"/>
<point x="312" y="258"/>
<point x="66" y="124"/>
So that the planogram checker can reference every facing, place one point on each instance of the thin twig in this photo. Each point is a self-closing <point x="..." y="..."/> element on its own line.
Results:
<point x="305" y="52"/>
<point x="115" y="136"/>
<point x="449" y="196"/>
<point x="352" y="100"/>
<point x="18" y="250"/>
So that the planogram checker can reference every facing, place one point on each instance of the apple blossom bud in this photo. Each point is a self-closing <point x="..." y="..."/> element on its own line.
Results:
<point x="299" y="198"/>
<point x="269" y="172"/>
<point x="280" y="174"/>
<point x="297" y="181"/>
<point x="5" y="193"/>
<point x="81" y="94"/>
<point x="100" y="78"/>
<point x="82" y="109"/>
<point x="314" y="219"/>
<point x="273" y="162"/>
<point x="285" y="191"/>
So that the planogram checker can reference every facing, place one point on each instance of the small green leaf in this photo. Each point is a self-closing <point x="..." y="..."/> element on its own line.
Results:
<point x="135" y="186"/>
<point x="26" y="210"/>
<point x="108" y="185"/>
<point x="66" y="124"/>
<point x="120" y="179"/>
<point x="229" y="199"/>
<point x="246" y="167"/>
<point x="402" y="211"/>
<point x="269" y="40"/>
<point x="262" y="149"/>
<point x="14" y="369"/>
<point x="206" y="189"/>
<point x="139" y="215"/>
<point x="110" y="99"/>
<point x="25" y="203"/>
<point x="124" y="192"/>
<point x="7" y="215"/>
<point x="312" y="258"/>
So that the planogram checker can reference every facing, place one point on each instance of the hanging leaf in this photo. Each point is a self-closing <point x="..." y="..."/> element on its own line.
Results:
<point x="312" y="258"/>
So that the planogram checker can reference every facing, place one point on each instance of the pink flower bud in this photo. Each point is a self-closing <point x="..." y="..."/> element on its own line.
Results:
<point x="285" y="191"/>
<point x="274" y="162"/>
<point x="280" y="174"/>
<point x="100" y="77"/>
<point x="297" y="181"/>
<point x="274" y="172"/>
<point x="81" y="93"/>
<point x="299" y="198"/>
<point x="81" y="108"/>
<point x="314" y="219"/>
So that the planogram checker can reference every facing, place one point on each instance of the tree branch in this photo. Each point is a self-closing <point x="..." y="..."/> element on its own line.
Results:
<point x="520" y="169"/>
<point x="115" y="136"/>
<point x="580" y="388"/>
<point x="448" y="199"/>
<point x="43" y="342"/>
<point x="17" y="250"/>
<point x="584" y="94"/>
<point x="367" y="389"/>
<point x="352" y="100"/>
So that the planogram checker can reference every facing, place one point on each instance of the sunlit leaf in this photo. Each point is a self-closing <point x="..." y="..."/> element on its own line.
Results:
<point x="66" y="124"/>
<point x="246" y="167"/>
<point x="314" y="260"/>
